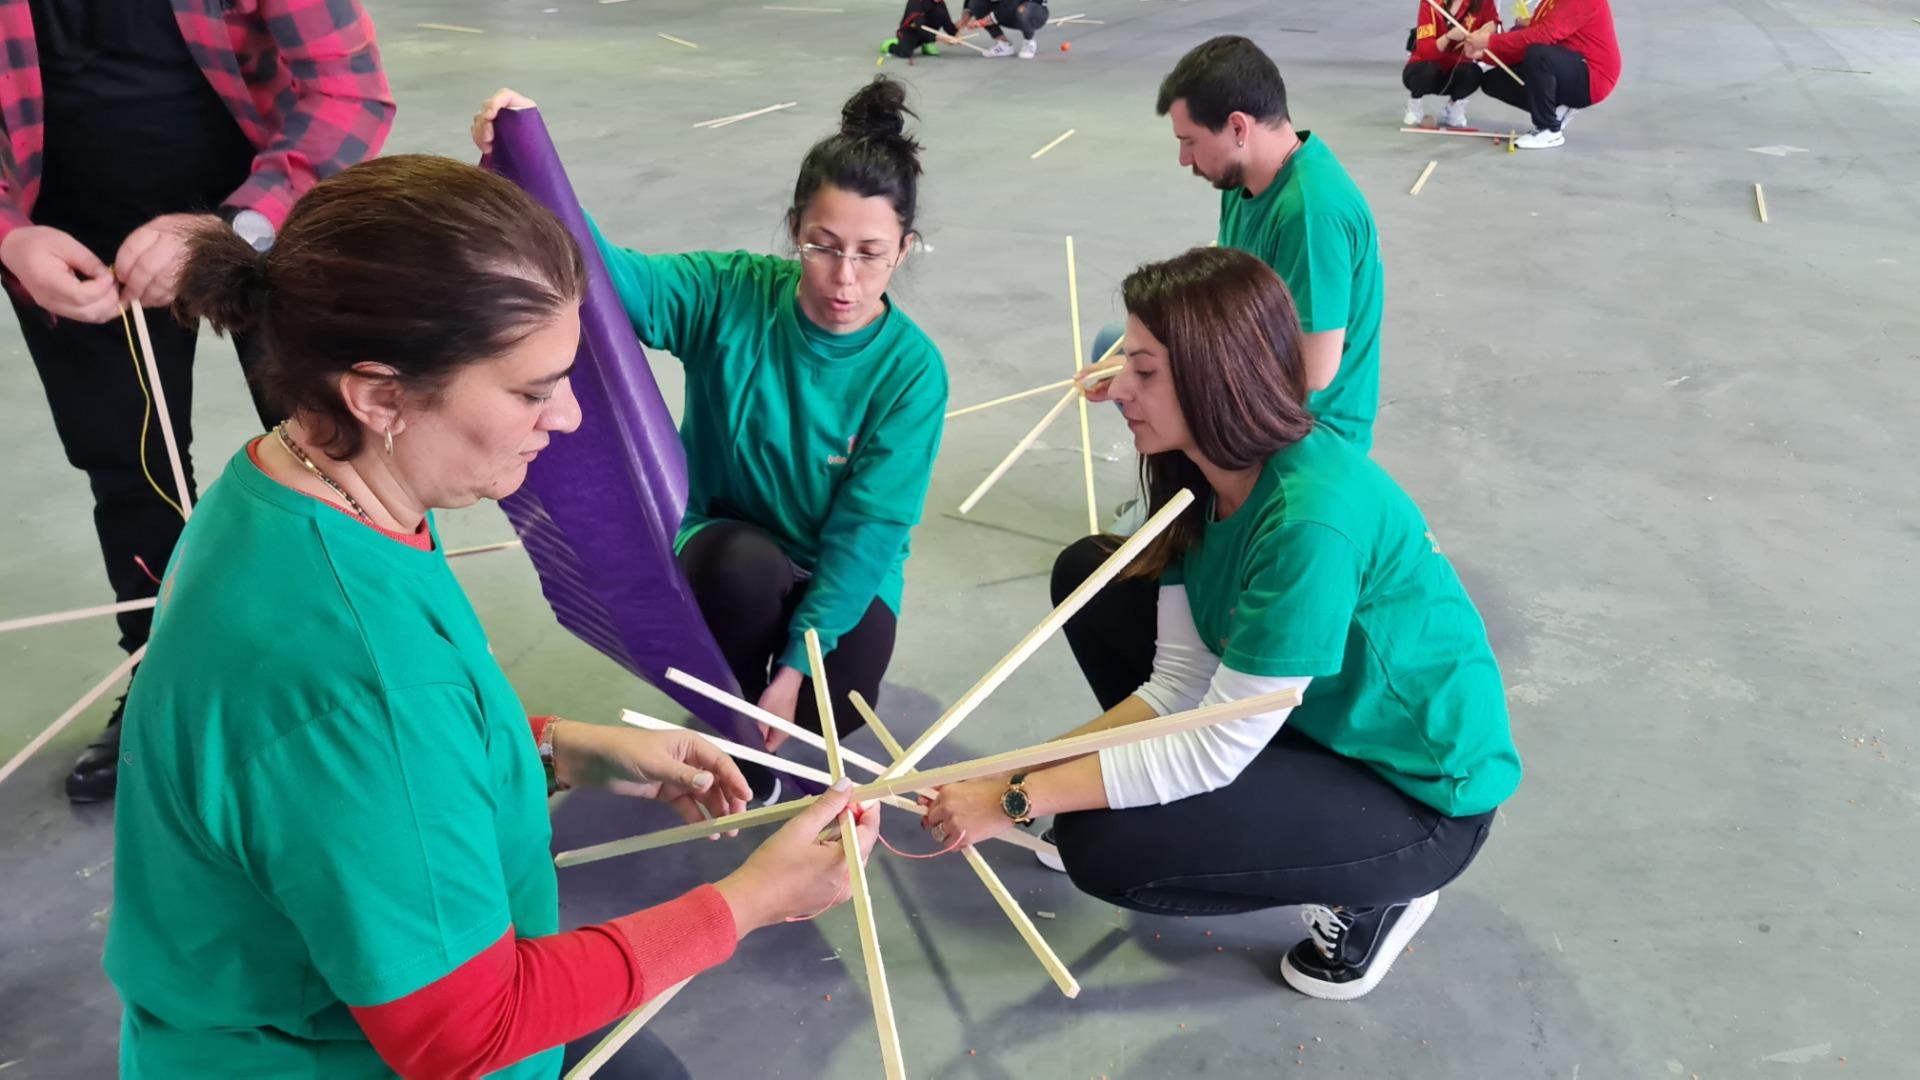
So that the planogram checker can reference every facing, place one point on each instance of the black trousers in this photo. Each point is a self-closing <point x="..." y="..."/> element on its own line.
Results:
<point x="191" y="156"/>
<point x="910" y="40"/>
<point x="1301" y="825"/>
<point x="1426" y="77"/>
<point x="1027" y="16"/>
<point x="748" y="590"/>
<point x="1555" y="75"/>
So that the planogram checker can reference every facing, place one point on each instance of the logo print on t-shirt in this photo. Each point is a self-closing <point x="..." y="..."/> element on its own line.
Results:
<point x="839" y="459"/>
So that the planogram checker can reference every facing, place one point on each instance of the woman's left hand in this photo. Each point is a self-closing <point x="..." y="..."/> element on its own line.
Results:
<point x="971" y="808"/>
<point x="678" y="768"/>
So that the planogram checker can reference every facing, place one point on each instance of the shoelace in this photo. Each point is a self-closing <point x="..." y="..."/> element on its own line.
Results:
<point x="1328" y="927"/>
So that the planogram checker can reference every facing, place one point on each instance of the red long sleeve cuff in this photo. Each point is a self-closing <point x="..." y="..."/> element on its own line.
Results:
<point x="522" y="996"/>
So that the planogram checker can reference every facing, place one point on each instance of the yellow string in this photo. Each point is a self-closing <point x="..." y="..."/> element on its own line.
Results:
<point x="139" y="376"/>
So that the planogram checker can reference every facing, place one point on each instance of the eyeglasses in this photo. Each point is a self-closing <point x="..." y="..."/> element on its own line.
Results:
<point x="863" y="265"/>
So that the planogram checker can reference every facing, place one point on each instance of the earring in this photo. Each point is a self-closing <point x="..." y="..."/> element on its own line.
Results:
<point x="389" y="433"/>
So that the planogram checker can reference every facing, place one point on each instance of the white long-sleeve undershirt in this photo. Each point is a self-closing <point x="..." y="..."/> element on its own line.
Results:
<point x="1187" y="675"/>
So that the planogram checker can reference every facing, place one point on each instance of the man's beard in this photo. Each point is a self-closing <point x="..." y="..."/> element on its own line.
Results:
<point x="1232" y="179"/>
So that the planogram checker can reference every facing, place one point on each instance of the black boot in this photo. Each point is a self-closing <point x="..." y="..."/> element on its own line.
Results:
<point x="94" y="776"/>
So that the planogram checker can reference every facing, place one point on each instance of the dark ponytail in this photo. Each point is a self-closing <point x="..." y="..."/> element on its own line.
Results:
<point x="224" y="282"/>
<point x="871" y="156"/>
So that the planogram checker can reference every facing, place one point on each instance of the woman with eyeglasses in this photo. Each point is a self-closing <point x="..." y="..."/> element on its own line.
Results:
<point x="813" y="413"/>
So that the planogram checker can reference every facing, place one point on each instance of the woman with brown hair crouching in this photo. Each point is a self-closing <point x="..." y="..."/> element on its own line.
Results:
<point x="331" y="857"/>
<point x="1300" y="564"/>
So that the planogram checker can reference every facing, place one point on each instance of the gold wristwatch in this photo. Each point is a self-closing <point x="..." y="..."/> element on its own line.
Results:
<point x="1014" y="800"/>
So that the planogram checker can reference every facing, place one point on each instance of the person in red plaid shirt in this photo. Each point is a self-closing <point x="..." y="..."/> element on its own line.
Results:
<point x="126" y="125"/>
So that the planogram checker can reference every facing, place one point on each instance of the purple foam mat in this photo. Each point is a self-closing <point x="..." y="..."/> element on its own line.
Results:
<point x="600" y="507"/>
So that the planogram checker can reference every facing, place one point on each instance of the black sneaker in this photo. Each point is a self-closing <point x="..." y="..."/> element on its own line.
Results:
<point x="97" y="773"/>
<point x="1349" y="952"/>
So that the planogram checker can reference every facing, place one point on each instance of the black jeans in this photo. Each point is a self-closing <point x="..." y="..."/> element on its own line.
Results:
<point x="1027" y="16"/>
<point x="1301" y="825"/>
<point x="1555" y="75"/>
<point x="1426" y="77"/>
<point x="748" y="590"/>
<point x="191" y="155"/>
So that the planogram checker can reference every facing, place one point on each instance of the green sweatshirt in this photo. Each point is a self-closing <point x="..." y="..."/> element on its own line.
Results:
<point x="826" y="441"/>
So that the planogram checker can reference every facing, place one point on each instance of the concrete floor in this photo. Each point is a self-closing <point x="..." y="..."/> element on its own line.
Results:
<point x="1663" y="443"/>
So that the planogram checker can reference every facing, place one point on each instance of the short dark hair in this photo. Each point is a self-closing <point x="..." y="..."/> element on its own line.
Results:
<point x="1226" y="75"/>
<point x="424" y="264"/>
<point x="1234" y="355"/>
<point x="871" y="155"/>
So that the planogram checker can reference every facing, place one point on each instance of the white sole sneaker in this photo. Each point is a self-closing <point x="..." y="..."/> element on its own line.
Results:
<point x="1389" y="950"/>
<point x="1050" y="859"/>
<point x="1029" y="50"/>
<point x="1540" y="140"/>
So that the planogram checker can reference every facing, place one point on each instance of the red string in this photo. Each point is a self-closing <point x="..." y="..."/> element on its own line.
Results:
<point x="952" y="846"/>
<point x="145" y="569"/>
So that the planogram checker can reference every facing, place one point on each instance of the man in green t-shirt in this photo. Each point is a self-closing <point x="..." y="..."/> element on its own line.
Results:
<point x="1286" y="199"/>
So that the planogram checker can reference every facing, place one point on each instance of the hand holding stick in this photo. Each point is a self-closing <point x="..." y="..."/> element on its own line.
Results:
<point x="1470" y="45"/>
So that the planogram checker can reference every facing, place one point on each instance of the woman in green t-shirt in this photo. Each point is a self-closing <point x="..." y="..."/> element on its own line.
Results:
<point x="814" y="409"/>
<point x="1301" y="564"/>
<point x="331" y="852"/>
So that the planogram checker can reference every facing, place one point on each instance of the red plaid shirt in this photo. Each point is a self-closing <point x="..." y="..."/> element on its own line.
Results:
<point x="302" y="77"/>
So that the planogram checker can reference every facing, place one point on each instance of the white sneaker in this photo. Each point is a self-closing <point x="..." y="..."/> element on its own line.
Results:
<point x="1455" y="116"/>
<point x="1416" y="113"/>
<point x="1028" y="48"/>
<point x="1540" y="139"/>
<point x="1051" y="861"/>
<point x="1003" y="47"/>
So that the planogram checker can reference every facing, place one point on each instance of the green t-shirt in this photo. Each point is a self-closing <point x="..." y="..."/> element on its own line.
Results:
<point x="1328" y="570"/>
<point x="329" y="795"/>
<point x="826" y="441"/>
<point x="1314" y="228"/>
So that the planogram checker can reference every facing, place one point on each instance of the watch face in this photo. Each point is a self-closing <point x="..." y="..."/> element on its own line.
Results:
<point x="1016" y="804"/>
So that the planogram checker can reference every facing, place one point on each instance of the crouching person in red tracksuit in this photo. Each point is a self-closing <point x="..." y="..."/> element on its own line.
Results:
<point x="1568" y="56"/>
<point x="1437" y="65"/>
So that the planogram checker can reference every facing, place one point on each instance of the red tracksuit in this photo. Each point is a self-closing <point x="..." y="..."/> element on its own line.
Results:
<point x="1584" y="26"/>
<point x="1427" y="33"/>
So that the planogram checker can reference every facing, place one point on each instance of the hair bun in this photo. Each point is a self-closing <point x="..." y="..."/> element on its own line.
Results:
<point x="877" y="111"/>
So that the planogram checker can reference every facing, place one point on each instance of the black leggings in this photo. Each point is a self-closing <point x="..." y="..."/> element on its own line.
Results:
<point x="1027" y="16"/>
<point x="1556" y="76"/>
<point x="1301" y="825"/>
<point x="748" y="590"/>
<point x="1426" y="77"/>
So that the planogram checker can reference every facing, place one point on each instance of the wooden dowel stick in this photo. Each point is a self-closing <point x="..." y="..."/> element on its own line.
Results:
<point x="1026" y="443"/>
<point x="1063" y="138"/>
<point x="160" y="410"/>
<point x="776" y="762"/>
<point x="1086" y="433"/>
<point x="761" y="757"/>
<point x="1010" y="398"/>
<point x="1760" y="201"/>
<point x="32" y="621"/>
<point x="624" y="1031"/>
<point x="773" y="720"/>
<point x="1445" y="131"/>
<point x="1424" y="173"/>
<point x="1447" y="15"/>
<point x="1038" y="636"/>
<point x="1055" y="968"/>
<point x="680" y="41"/>
<point x="890" y="1054"/>
<point x="737" y="117"/>
<point x="73" y="711"/>
<point x="823" y="704"/>
<point x="450" y="28"/>
<point x="996" y="764"/>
